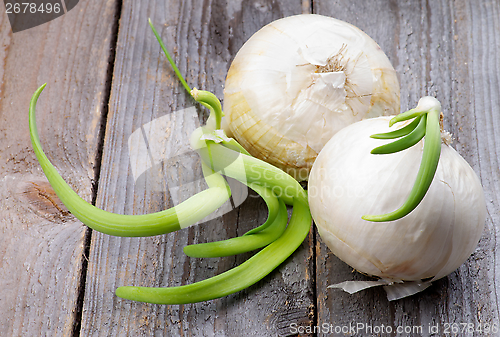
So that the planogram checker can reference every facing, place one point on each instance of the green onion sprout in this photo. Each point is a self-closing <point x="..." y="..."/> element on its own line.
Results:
<point x="426" y="124"/>
<point x="172" y="219"/>
<point x="220" y="156"/>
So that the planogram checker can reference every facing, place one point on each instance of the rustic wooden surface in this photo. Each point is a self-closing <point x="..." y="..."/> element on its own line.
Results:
<point x="41" y="246"/>
<point x="107" y="78"/>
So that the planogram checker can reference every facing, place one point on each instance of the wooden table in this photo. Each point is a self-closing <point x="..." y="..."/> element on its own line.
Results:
<point x="106" y="77"/>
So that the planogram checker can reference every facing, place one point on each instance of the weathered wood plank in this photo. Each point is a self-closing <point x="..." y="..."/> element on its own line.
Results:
<point x="448" y="49"/>
<point x="41" y="245"/>
<point x="204" y="36"/>
<point x="444" y="48"/>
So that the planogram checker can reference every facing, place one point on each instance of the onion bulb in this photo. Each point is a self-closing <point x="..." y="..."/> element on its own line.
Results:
<point x="347" y="182"/>
<point x="298" y="81"/>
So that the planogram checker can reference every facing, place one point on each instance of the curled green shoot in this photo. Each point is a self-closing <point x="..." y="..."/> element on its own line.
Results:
<point x="429" y="108"/>
<point x="260" y="237"/>
<point x="210" y="100"/>
<point x="183" y="215"/>
<point x="399" y="132"/>
<point x="238" y="278"/>
<point x="404" y="142"/>
<point x="273" y="205"/>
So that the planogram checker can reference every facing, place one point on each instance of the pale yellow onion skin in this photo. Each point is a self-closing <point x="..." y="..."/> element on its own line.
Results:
<point x="347" y="182"/>
<point x="270" y="107"/>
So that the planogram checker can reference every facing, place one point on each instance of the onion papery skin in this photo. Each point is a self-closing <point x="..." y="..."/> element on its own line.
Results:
<point x="281" y="103"/>
<point x="347" y="182"/>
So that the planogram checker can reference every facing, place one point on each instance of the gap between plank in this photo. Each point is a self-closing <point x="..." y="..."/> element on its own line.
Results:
<point x="314" y="274"/>
<point x="97" y="169"/>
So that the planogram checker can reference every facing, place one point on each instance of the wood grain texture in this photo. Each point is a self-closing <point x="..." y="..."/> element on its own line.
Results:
<point x="448" y="49"/>
<point x="445" y="48"/>
<point x="203" y="36"/>
<point x="41" y="245"/>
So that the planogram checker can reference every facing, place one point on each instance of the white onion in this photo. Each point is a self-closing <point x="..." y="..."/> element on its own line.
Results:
<point x="298" y="81"/>
<point x="347" y="182"/>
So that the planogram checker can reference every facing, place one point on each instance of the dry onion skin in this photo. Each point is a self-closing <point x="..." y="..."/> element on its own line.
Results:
<point x="347" y="182"/>
<point x="298" y="81"/>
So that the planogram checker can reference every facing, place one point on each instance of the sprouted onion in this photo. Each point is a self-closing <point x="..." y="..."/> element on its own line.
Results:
<point x="278" y="236"/>
<point x="408" y="243"/>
